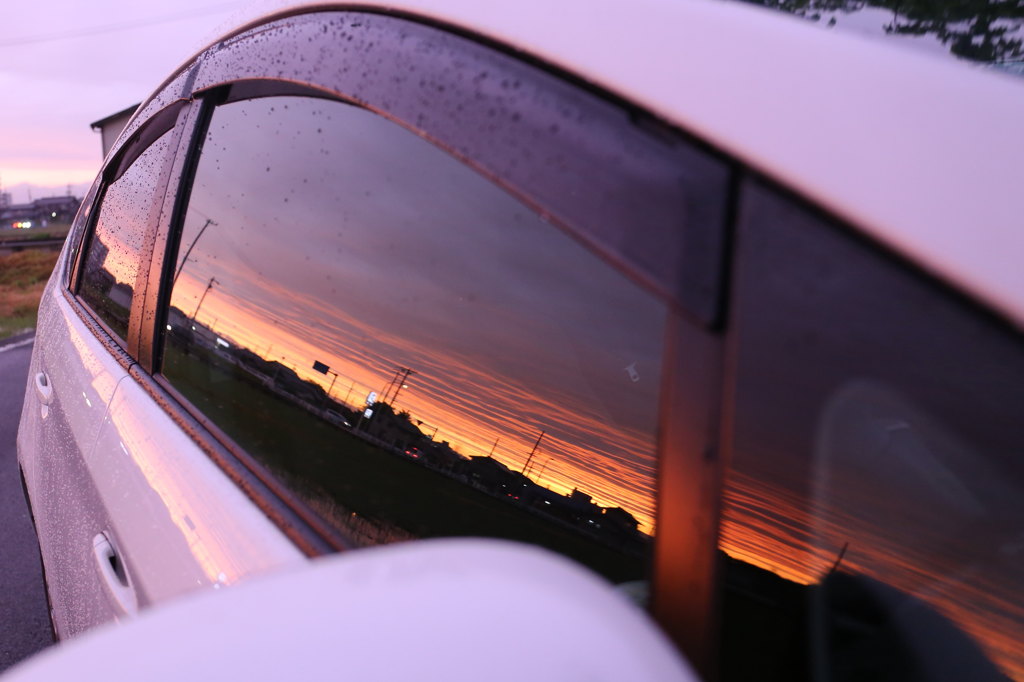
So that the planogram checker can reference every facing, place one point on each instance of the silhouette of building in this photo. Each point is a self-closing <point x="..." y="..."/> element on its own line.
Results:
<point x="111" y="126"/>
<point x="41" y="211"/>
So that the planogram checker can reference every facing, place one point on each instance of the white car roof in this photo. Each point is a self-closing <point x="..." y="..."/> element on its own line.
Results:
<point x="920" y="152"/>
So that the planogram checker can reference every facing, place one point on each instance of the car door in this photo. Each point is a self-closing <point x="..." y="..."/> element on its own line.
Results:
<point x="79" y="359"/>
<point x="478" y="268"/>
<point x="396" y="307"/>
<point x="135" y="524"/>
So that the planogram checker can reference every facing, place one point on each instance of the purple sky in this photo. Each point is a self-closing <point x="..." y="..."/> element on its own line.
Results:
<point x="65" y="64"/>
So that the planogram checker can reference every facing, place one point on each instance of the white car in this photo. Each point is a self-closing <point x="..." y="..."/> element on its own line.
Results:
<point x="720" y="306"/>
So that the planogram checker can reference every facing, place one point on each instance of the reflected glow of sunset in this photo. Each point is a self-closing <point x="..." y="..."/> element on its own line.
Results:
<point x="511" y="326"/>
<point x="470" y="408"/>
<point x="123" y="269"/>
<point x="176" y="494"/>
<point x="102" y="381"/>
<point x="770" y="527"/>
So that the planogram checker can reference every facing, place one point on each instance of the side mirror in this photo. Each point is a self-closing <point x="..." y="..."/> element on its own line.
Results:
<point x="453" y="609"/>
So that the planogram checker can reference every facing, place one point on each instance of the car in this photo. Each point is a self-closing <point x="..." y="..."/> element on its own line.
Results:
<point x="419" y="594"/>
<point x="723" y="308"/>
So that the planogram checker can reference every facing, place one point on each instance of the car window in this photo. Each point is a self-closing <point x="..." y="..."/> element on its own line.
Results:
<point x="78" y="228"/>
<point x="412" y="350"/>
<point x="111" y="262"/>
<point x="875" y="466"/>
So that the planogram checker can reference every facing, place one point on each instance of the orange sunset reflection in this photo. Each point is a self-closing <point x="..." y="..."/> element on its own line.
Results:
<point x="773" y="528"/>
<point x="455" y="397"/>
<point x="513" y="374"/>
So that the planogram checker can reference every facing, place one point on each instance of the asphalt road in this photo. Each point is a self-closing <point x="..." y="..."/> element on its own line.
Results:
<point x="24" y="621"/>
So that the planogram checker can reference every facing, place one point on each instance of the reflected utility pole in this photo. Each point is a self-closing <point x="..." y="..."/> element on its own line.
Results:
<point x="209" y="285"/>
<point x="209" y="221"/>
<point x="391" y="384"/>
<point x="397" y="383"/>
<point x="534" y="450"/>
<point x="543" y="467"/>
<point x="327" y="396"/>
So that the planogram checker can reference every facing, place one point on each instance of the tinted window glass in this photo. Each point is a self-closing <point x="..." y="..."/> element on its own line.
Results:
<point x="412" y="350"/>
<point x="877" y="455"/>
<point x="626" y="183"/>
<point x="112" y="259"/>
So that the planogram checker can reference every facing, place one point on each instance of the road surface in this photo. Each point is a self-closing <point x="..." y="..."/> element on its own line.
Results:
<point x="24" y="621"/>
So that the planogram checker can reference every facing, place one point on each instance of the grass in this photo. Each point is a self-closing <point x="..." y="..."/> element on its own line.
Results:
<point x="23" y="276"/>
<point x="51" y="231"/>
<point x="332" y="468"/>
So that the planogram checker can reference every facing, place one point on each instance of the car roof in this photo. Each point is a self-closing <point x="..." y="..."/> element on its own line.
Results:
<point x="919" y="152"/>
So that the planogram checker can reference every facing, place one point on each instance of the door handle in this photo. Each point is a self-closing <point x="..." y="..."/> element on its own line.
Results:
<point x="115" y="578"/>
<point x="43" y="388"/>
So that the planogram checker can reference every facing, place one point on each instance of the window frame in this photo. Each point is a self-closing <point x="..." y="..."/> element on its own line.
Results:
<point x="672" y="573"/>
<point x="166" y="120"/>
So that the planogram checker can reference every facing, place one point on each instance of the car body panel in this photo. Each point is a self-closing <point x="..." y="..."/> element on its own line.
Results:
<point x="880" y="146"/>
<point x="881" y="115"/>
<point x="181" y="523"/>
<point x="174" y="518"/>
<point x="83" y="376"/>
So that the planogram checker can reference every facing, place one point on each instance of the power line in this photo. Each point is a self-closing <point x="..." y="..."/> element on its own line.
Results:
<point x="113" y="28"/>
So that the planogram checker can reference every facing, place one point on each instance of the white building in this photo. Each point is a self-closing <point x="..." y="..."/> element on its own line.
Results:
<point x="111" y="126"/>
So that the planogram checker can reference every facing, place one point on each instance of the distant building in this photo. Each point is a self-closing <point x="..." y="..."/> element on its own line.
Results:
<point x="111" y="126"/>
<point x="489" y="474"/>
<point x="440" y="455"/>
<point x="581" y="502"/>
<point x="41" y="211"/>
<point x="620" y="518"/>
<point x="394" y="429"/>
<point x="57" y="209"/>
